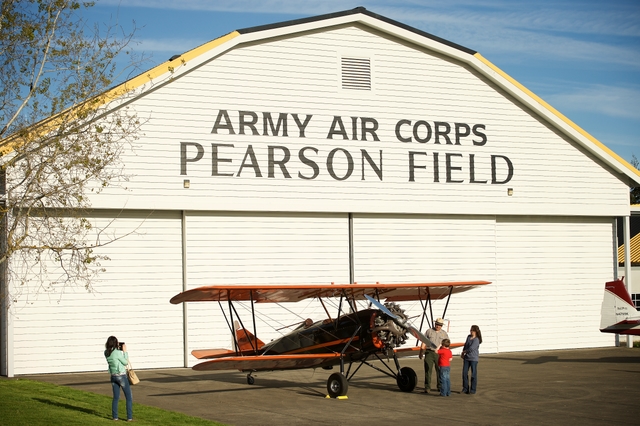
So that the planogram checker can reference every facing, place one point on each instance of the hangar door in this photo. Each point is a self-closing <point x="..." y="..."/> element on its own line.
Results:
<point x="552" y="272"/>
<point x="260" y="248"/>
<point x="429" y="248"/>
<point x="65" y="329"/>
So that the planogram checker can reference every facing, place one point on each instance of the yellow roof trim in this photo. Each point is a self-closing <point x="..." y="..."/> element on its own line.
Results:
<point x="557" y="113"/>
<point x="165" y="67"/>
<point x="8" y="144"/>
<point x="634" y="252"/>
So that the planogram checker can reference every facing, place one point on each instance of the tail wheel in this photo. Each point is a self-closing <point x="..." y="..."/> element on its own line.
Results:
<point x="250" y="379"/>
<point x="407" y="379"/>
<point x="337" y="385"/>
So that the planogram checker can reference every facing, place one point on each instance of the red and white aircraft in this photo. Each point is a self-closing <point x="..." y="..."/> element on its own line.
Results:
<point x="619" y="315"/>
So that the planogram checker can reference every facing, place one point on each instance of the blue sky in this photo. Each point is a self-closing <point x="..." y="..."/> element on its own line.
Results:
<point x="581" y="56"/>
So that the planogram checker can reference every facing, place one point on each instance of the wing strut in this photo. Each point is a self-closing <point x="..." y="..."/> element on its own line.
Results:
<point x="231" y="327"/>
<point x="253" y="316"/>
<point x="325" y="308"/>
<point x="424" y="314"/>
<point x="355" y="333"/>
<point x="430" y="307"/>
<point x="228" y="325"/>
<point x="253" y="346"/>
<point x="447" y="304"/>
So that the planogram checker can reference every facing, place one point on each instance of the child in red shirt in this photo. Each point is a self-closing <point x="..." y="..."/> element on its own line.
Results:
<point x="444" y="362"/>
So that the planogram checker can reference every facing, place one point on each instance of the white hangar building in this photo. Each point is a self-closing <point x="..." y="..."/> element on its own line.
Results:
<point x="340" y="148"/>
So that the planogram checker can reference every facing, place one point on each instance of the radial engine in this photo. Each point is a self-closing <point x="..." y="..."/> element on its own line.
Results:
<point x="389" y="333"/>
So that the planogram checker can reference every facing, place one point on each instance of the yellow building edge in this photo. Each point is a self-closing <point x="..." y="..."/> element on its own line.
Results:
<point x="557" y="113"/>
<point x="634" y="253"/>
<point x="9" y="144"/>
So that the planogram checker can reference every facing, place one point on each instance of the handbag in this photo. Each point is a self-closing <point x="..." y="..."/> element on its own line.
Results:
<point x="131" y="375"/>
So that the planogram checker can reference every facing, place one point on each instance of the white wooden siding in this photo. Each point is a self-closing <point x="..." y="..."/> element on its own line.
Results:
<point x="301" y="75"/>
<point x="66" y="331"/>
<point x="429" y="249"/>
<point x="547" y="273"/>
<point x="226" y="248"/>
<point x="551" y="280"/>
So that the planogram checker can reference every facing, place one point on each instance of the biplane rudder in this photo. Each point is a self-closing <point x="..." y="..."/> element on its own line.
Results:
<point x="247" y="341"/>
<point x="617" y="308"/>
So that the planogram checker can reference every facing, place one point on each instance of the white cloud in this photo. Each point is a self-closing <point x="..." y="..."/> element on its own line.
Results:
<point x="563" y="31"/>
<point x="170" y="46"/>
<point x="614" y="101"/>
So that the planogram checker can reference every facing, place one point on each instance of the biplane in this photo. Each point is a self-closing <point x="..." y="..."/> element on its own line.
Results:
<point x="353" y="337"/>
<point x="619" y="314"/>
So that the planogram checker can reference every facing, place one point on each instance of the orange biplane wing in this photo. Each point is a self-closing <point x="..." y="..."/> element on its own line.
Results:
<point x="413" y="351"/>
<point x="295" y="293"/>
<point x="351" y="337"/>
<point x="266" y="362"/>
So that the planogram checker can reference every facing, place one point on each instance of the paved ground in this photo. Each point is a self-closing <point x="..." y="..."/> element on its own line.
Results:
<point x="580" y="387"/>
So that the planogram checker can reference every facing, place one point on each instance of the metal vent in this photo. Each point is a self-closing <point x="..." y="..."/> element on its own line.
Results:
<point x="356" y="74"/>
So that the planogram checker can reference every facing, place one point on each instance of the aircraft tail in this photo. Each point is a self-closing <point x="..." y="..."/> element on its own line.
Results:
<point x="618" y="315"/>
<point x="246" y="340"/>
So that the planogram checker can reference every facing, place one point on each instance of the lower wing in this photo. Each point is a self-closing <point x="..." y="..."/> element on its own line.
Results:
<point x="267" y="362"/>
<point x="405" y="352"/>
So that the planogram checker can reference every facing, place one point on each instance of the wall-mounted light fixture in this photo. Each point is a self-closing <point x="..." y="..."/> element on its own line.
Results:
<point x="186" y="183"/>
<point x="509" y="192"/>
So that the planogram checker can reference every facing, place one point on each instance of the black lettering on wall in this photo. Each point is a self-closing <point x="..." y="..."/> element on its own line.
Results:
<point x="330" y="168"/>
<point x="450" y="168"/>
<point x="354" y="128"/>
<point x="462" y="131"/>
<point x="442" y="129"/>
<point x="412" y="164"/>
<point x="309" y="162"/>
<point x="253" y="163"/>
<point x="482" y="136"/>
<point x="472" y="170"/>
<point x="183" y="155"/>
<point x="281" y="163"/>
<point x="436" y="168"/>
<point x="366" y="129"/>
<point x="494" y="169"/>
<point x="215" y="159"/>
<point x="267" y="122"/>
<point x="337" y="122"/>
<point x="301" y="126"/>
<point x="416" y="128"/>
<point x="398" y="135"/>
<point x="250" y="123"/>
<point x="223" y="115"/>
<point x="374" y="166"/>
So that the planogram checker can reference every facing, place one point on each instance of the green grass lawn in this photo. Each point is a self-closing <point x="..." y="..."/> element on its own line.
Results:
<point x="27" y="402"/>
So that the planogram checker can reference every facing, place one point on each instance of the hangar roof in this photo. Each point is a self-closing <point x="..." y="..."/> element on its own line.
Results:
<point x="634" y="244"/>
<point x="178" y="65"/>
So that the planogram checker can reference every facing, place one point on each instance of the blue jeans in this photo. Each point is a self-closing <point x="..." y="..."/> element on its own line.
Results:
<point x="118" y="382"/>
<point x="473" y="365"/>
<point x="445" y="381"/>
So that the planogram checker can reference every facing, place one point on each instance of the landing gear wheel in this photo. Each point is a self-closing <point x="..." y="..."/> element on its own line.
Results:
<point x="407" y="379"/>
<point x="337" y="385"/>
<point x="250" y="379"/>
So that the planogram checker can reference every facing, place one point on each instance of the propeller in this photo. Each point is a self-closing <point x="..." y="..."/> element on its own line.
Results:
<point x="402" y="323"/>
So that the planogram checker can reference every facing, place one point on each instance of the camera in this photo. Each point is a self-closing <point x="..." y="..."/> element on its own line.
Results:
<point x="120" y="345"/>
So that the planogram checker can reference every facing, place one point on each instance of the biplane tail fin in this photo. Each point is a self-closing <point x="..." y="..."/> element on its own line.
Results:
<point x="619" y="314"/>
<point x="246" y="340"/>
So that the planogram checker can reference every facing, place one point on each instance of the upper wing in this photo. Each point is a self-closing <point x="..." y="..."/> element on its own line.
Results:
<point x="295" y="293"/>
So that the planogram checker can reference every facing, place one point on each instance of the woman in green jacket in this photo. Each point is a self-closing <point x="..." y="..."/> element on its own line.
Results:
<point x="117" y="358"/>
